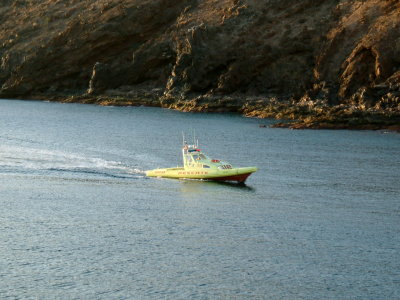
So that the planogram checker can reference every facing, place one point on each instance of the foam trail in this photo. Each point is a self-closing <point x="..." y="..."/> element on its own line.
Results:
<point x="34" y="159"/>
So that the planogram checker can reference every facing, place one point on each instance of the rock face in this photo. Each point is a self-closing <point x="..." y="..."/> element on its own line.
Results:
<point x="340" y="51"/>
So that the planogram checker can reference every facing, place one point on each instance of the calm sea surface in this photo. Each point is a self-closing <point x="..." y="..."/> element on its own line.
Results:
<point x="79" y="220"/>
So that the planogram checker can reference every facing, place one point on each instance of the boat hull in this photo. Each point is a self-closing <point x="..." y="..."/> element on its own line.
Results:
<point x="236" y="174"/>
<point x="239" y="178"/>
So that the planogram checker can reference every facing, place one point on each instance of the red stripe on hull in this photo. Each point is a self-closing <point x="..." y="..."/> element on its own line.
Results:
<point x="239" y="178"/>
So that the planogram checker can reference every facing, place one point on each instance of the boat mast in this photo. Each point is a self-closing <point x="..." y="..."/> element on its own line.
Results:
<point x="184" y="148"/>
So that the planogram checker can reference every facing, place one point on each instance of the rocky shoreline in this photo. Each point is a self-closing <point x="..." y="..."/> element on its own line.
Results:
<point x="306" y="114"/>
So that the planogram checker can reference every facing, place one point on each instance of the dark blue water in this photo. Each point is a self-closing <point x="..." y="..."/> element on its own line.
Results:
<point x="79" y="220"/>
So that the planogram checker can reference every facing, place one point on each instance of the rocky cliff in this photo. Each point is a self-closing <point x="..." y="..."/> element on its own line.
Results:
<point x="268" y="58"/>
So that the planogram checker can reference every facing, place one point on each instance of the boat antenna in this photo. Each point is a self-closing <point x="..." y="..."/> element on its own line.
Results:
<point x="183" y="138"/>
<point x="194" y="137"/>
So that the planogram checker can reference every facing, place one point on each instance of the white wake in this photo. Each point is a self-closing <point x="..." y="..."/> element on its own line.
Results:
<point x="35" y="159"/>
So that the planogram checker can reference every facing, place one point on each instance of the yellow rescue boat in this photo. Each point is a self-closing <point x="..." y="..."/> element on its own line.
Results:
<point x="197" y="165"/>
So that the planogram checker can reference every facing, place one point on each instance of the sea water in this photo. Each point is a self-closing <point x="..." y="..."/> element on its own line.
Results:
<point x="79" y="219"/>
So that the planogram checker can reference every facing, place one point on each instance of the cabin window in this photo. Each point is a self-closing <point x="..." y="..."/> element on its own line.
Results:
<point x="205" y="166"/>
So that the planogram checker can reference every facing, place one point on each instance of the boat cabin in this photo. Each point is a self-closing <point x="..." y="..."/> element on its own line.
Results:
<point x="194" y="158"/>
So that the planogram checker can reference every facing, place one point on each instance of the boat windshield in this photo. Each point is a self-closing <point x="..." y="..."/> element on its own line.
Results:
<point x="199" y="156"/>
